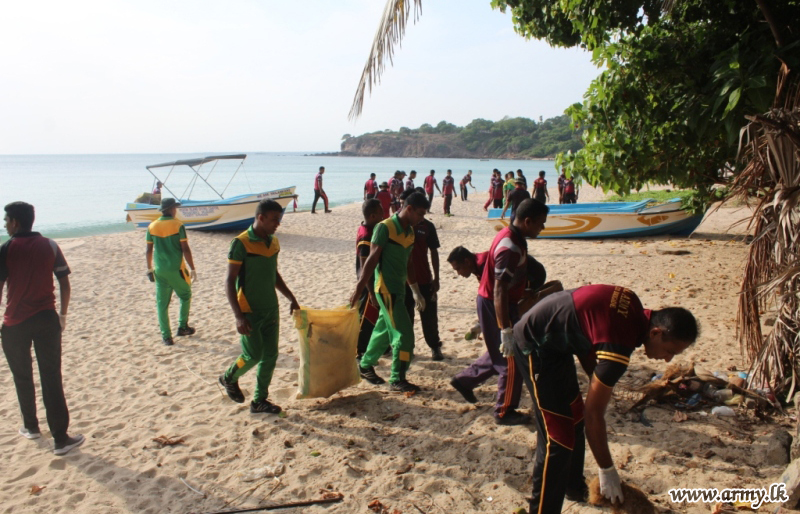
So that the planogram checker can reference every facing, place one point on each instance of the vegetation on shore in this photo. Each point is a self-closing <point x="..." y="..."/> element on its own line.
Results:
<point x="662" y="195"/>
<point x="509" y="138"/>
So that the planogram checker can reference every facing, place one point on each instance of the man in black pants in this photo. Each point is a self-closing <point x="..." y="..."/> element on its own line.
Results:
<point x="602" y="325"/>
<point x="426" y="238"/>
<point x="319" y="192"/>
<point x="28" y="262"/>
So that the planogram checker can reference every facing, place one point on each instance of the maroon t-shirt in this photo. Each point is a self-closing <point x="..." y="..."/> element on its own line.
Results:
<point x="27" y="264"/>
<point x="448" y="185"/>
<point x="507" y="263"/>
<point x="385" y="197"/>
<point x="425" y="238"/>
<point x="429" y="182"/>
<point x="480" y="263"/>
<point x="371" y="187"/>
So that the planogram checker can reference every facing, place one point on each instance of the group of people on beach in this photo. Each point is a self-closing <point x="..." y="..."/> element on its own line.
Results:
<point x="531" y="329"/>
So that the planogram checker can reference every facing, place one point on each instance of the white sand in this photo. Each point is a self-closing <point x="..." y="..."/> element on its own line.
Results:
<point x="441" y="455"/>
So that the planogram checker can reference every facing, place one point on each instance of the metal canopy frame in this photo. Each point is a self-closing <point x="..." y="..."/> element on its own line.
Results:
<point x="195" y="165"/>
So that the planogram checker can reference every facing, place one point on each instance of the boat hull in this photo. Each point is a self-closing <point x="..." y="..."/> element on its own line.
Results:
<point x="575" y="221"/>
<point x="235" y="213"/>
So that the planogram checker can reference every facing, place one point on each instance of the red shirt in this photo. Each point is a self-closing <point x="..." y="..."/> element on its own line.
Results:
<point x="507" y="263"/>
<point x="497" y="188"/>
<point x="318" y="182"/>
<point x="480" y="263"/>
<point x="539" y="183"/>
<point x="425" y="237"/>
<point x="363" y="244"/>
<point x="396" y="186"/>
<point x="27" y="263"/>
<point x="430" y="182"/>
<point x="385" y="197"/>
<point x="569" y="187"/>
<point x="466" y="180"/>
<point x="448" y="185"/>
<point x="371" y="187"/>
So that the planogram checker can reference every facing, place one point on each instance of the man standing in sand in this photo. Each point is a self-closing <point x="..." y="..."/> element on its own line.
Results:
<point x="602" y="325"/>
<point x="562" y="179"/>
<point x="396" y="188"/>
<point x="28" y="262"/>
<point x="372" y="210"/>
<point x="168" y="247"/>
<point x="370" y="187"/>
<point x="319" y="192"/>
<point x="430" y="183"/>
<point x="390" y="260"/>
<point x="466" y="180"/>
<point x="502" y="285"/>
<point x="515" y="197"/>
<point x="540" y="188"/>
<point x="410" y="181"/>
<point x="448" y="188"/>
<point x="250" y="287"/>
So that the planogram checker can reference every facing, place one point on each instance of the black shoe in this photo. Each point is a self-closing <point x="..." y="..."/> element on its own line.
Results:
<point x="185" y="331"/>
<point x="264" y="406"/>
<point x="436" y="354"/>
<point x="64" y="447"/>
<point x="580" y="495"/>
<point x="513" y="418"/>
<point x="232" y="389"/>
<point x="465" y="391"/>
<point x="404" y="386"/>
<point x="168" y="341"/>
<point x="370" y="376"/>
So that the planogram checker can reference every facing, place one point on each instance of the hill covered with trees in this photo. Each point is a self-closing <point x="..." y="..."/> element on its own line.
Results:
<point x="509" y="138"/>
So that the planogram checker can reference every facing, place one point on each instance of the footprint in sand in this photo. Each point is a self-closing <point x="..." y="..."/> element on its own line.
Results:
<point x="25" y="474"/>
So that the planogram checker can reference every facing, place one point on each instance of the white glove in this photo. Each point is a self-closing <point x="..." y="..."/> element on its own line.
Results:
<point x="62" y="320"/>
<point x="418" y="299"/>
<point x="193" y="276"/>
<point x="610" y="486"/>
<point x="507" y="342"/>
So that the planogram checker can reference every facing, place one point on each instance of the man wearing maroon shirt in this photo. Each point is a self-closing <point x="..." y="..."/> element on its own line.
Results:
<point x="27" y="263"/>
<point x="370" y="187"/>
<point x="502" y="285"/>
<point x="385" y="197"/>
<point x="319" y="192"/>
<point x="602" y="325"/>
<point x="430" y="183"/>
<point x="448" y="187"/>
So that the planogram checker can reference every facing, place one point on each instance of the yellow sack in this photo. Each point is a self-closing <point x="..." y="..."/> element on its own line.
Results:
<point x="328" y="348"/>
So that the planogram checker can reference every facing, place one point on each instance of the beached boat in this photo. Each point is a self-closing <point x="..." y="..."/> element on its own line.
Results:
<point x="614" y="219"/>
<point x="234" y="213"/>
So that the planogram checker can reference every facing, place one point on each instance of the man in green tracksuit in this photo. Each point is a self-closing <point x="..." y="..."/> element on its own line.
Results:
<point x="390" y="258"/>
<point x="250" y="288"/>
<point x="168" y="247"/>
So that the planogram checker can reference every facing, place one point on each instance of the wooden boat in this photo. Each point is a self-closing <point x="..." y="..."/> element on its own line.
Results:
<point x="234" y="213"/>
<point x="613" y="219"/>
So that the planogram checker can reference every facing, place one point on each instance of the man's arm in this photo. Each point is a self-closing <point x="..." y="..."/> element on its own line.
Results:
<point x="435" y="264"/>
<point x="281" y="286"/>
<point x="242" y="325"/>
<point x="505" y="208"/>
<point x="366" y="272"/>
<point x="411" y="274"/>
<point x="501" y="304"/>
<point x="2" y="285"/>
<point x="64" y="291"/>
<point x="596" y="402"/>
<point x="148" y="255"/>
<point x="435" y="183"/>
<point x="187" y="254"/>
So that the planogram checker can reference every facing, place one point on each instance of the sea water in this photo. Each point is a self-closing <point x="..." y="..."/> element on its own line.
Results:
<point x="80" y="195"/>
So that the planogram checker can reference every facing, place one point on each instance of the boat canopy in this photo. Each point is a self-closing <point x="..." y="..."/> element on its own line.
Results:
<point x="197" y="162"/>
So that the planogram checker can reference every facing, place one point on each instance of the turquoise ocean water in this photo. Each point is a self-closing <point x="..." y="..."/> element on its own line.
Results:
<point x="82" y="195"/>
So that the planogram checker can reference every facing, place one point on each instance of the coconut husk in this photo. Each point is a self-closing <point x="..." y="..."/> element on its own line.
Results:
<point x="636" y="502"/>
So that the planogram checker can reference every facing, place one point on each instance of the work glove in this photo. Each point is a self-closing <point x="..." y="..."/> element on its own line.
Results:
<point x="62" y="320"/>
<point x="610" y="486"/>
<point x="507" y="342"/>
<point x="419" y="301"/>
<point x="193" y="276"/>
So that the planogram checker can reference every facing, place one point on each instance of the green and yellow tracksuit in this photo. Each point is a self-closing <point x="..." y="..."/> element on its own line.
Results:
<point x="166" y="235"/>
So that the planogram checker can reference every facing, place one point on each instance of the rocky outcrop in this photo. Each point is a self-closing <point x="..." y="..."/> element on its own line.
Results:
<point x="414" y="145"/>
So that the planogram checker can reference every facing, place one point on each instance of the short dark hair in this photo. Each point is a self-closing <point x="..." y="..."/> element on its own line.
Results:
<point x="541" y="173"/>
<point x="23" y="213"/>
<point x="371" y="174"/>
<point x="370" y="206"/>
<point x="459" y="254"/>
<point x="417" y="200"/>
<point x="408" y="192"/>
<point x="265" y="206"/>
<point x="419" y="190"/>
<point x="677" y="323"/>
<point x="531" y="208"/>
<point x="322" y="168"/>
<point x="433" y="171"/>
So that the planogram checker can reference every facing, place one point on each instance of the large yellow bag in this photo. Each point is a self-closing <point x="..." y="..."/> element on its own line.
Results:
<point x="328" y="347"/>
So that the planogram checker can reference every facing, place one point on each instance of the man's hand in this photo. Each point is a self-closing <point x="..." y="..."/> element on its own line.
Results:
<point x="435" y="285"/>
<point x="242" y="325"/>
<point x="507" y="342"/>
<point x="151" y="275"/>
<point x="62" y="320"/>
<point x="354" y="298"/>
<point x="373" y="299"/>
<point x="294" y="306"/>
<point x="610" y="486"/>
<point x="193" y="276"/>
<point x="419" y="300"/>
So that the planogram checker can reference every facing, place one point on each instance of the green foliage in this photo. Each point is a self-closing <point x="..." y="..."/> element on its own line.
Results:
<point x="659" y="196"/>
<point x="674" y="88"/>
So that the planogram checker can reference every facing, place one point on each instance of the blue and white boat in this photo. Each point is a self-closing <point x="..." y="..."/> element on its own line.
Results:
<point x="234" y="213"/>
<point x="613" y="219"/>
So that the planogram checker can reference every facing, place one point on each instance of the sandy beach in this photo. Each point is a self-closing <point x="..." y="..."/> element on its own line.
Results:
<point x="430" y="453"/>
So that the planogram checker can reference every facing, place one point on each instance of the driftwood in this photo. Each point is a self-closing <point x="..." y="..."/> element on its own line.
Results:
<point x="334" y="498"/>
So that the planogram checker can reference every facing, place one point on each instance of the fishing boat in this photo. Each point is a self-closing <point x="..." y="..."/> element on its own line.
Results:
<point x="613" y="219"/>
<point x="233" y="213"/>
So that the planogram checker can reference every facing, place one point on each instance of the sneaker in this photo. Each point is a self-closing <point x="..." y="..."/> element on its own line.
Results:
<point x="513" y="418"/>
<point x="232" y="389"/>
<point x="328" y="211"/>
<point x="30" y="434"/>
<point x="404" y="386"/>
<point x="70" y="443"/>
<point x="465" y="391"/>
<point x="168" y="341"/>
<point x="185" y="331"/>
<point x="370" y="376"/>
<point x="436" y="354"/>
<point x="264" y="406"/>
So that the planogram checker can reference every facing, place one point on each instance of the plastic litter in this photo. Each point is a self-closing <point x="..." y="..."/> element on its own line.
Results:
<point x="723" y="412"/>
<point x="709" y="390"/>
<point x="723" y="395"/>
<point x="265" y="472"/>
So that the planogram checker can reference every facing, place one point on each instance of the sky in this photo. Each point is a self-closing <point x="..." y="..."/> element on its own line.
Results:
<point x="148" y="76"/>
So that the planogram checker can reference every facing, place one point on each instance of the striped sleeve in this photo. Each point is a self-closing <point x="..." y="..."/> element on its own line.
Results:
<point x="612" y="362"/>
<point x="237" y="252"/>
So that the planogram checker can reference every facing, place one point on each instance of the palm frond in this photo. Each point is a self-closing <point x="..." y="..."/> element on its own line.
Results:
<point x="390" y="33"/>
